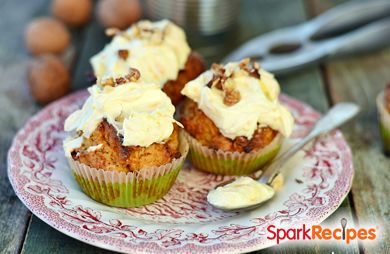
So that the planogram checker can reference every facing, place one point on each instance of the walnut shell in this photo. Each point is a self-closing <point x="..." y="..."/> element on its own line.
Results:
<point x="49" y="78"/>
<point x="118" y="13"/>
<point x="72" y="12"/>
<point x="46" y="35"/>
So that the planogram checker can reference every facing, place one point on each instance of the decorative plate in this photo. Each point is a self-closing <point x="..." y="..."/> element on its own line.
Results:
<point x="316" y="182"/>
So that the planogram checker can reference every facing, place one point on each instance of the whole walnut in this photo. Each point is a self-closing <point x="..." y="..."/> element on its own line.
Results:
<point x="49" y="78"/>
<point x="118" y="13"/>
<point x="46" y="35"/>
<point x="72" y="12"/>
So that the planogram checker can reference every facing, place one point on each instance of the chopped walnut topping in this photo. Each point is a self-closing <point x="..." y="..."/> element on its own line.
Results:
<point x="253" y="70"/>
<point x="123" y="53"/>
<point x="108" y="82"/>
<point x="216" y="82"/>
<point x="155" y="35"/>
<point x="219" y="83"/>
<point x="232" y="96"/>
<point x="120" y="80"/>
<point x="218" y="69"/>
<point x="244" y="63"/>
<point x="133" y="76"/>
<point x="219" y="77"/>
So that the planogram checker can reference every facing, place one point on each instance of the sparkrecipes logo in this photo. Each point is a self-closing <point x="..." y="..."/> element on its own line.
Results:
<point x="318" y="232"/>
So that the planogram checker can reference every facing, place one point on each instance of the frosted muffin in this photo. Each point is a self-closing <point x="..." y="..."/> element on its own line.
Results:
<point x="233" y="119"/>
<point x="124" y="146"/>
<point x="159" y="50"/>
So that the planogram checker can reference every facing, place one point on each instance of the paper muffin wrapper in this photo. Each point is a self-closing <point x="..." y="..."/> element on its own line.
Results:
<point x="384" y="121"/>
<point x="230" y="163"/>
<point x="131" y="189"/>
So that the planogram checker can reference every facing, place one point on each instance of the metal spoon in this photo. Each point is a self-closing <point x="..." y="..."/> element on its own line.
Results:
<point x="336" y="116"/>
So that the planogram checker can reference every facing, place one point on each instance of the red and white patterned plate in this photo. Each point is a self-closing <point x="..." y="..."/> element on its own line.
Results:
<point x="316" y="182"/>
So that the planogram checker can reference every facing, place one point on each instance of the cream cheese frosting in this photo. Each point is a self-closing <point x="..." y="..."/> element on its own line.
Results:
<point x="140" y="112"/>
<point x="242" y="192"/>
<point x="257" y="105"/>
<point x="159" y="50"/>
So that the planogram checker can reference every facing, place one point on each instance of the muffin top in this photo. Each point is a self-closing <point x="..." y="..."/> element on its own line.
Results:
<point x="159" y="50"/>
<point x="140" y="112"/>
<point x="239" y="98"/>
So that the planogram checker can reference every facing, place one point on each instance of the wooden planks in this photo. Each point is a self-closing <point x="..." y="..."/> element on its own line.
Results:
<point x="41" y="238"/>
<point x="308" y="86"/>
<point x="359" y="79"/>
<point x="17" y="108"/>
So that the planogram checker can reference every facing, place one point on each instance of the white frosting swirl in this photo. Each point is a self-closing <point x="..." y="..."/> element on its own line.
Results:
<point x="258" y="105"/>
<point x="140" y="112"/>
<point x="242" y="192"/>
<point x="158" y="50"/>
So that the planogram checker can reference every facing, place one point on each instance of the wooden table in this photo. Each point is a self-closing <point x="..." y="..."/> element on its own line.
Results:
<point x="356" y="79"/>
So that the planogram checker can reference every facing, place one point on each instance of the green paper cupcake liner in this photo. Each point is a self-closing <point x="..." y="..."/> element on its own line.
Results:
<point x="384" y="122"/>
<point x="131" y="189"/>
<point x="230" y="163"/>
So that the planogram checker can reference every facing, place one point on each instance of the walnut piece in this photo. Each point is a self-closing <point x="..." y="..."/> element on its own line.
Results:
<point x="152" y="34"/>
<point x="244" y="63"/>
<point x="108" y="82"/>
<point x="132" y="76"/>
<point x="253" y="70"/>
<point x="219" y="77"/>
<point x="232" y="96"/>
<point x="120" y="81"/>
<point x="123" y="54"/>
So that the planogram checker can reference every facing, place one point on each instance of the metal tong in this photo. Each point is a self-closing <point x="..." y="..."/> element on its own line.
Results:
<point x="356" y="26"/>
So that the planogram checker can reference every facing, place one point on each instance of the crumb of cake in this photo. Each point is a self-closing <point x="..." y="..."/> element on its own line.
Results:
<point x="72" y="12"/>
<point x="112" y="155"/>
<point x="202" y="128"/>
<point x="118" y="13"/>
<point x="49" y="79"/>
<point x="46" y="35"/>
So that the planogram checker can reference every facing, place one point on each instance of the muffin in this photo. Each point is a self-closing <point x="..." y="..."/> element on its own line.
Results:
<point x="383" y="104"/>
<point x="159" y="50"/>
<point x="124" y="148"/>
<point x="233" y="120"/>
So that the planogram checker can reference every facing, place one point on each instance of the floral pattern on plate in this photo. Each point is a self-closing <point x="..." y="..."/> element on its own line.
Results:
<point x="316" y="182"/>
